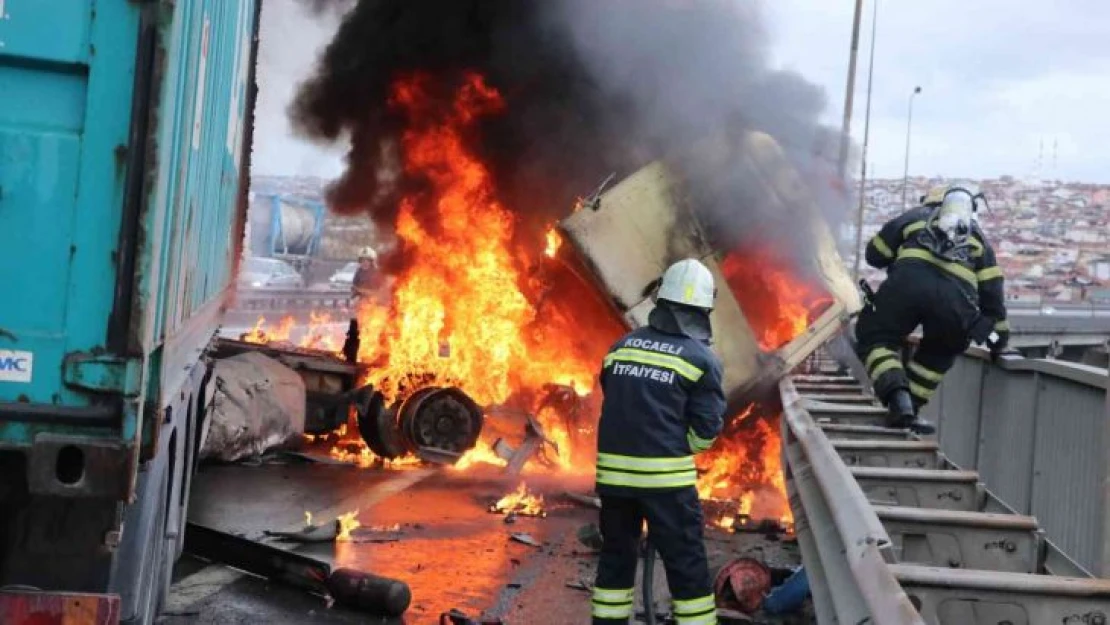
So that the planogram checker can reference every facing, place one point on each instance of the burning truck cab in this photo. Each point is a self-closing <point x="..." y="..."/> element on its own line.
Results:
<point x="775" y="309"/>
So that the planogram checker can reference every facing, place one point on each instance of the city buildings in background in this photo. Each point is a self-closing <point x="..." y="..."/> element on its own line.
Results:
<point x="1052" y="238"/>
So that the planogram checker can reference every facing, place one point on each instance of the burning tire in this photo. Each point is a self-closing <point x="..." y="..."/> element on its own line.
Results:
<point x="441" y="418"/>
<point x="377" y="424"/>
<point x="438" y="418"/>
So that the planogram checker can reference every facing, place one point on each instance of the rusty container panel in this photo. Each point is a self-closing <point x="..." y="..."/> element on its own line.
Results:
<point x="41" y="608"/>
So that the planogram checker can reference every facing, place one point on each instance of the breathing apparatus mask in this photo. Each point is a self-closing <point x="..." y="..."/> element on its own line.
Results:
<point x="952" y="221"/>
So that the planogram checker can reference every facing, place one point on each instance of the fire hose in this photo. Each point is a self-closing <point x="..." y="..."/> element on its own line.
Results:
<point x="648" y="582"/>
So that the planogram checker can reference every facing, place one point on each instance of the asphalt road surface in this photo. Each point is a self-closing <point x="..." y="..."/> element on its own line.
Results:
<point x="440" y="538"/>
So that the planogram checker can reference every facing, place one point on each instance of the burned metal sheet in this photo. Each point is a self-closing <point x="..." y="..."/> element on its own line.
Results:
<point x="637" y="230"/>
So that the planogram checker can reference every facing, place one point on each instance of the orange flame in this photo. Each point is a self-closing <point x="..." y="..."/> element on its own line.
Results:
<point x="262" y="334"/>
<point x="778" y="304"/>
<point x="320" y="334"/>
<point x="469" y="308"/>
<point x="482" y="453"/>
<point x="554" y="242"/>
<point x="459" y="314"/>
<point x="520" y="501"/>
<point x="745" y="465"/>
<point x="347" y="523"/>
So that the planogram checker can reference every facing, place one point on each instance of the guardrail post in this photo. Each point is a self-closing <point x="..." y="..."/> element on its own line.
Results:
<point x="1104" y="562"/>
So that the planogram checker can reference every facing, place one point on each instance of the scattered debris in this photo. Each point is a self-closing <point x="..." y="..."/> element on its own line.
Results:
<point x="377" y="534"/>
<point x="741" y="584"/>
<point x="503" y="450"/>
<point x="584" y="500"/>
<point x="590" y="536"/>
<point x="324" y="533"/>
<point x="348" y="587"/>
<point x="258" y="404"/>
<point x="525" y="538"/>
<point x="455" y="617"/>
<point x="347" y="522"/>
<point x="580" y="585"/>
<point x="534" y="439"/>
<point x="435" y="455"/>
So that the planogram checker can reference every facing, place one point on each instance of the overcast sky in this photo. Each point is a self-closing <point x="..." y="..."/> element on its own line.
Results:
<point x="998" y="77"/>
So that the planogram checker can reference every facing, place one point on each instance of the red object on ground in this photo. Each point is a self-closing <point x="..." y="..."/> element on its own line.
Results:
<point x="742" y="584"/>
<point x="58" y="608"/>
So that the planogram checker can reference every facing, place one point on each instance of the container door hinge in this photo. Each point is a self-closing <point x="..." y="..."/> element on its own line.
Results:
<point x="101" y="373"/>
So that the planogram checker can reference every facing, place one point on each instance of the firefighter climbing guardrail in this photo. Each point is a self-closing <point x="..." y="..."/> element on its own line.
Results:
<point x="892" y="532"/>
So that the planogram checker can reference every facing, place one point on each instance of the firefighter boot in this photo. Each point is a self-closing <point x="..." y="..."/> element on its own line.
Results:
<point x="903" y="415"/>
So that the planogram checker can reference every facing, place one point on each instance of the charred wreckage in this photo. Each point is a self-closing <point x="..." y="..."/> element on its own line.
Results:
<point x="434" y="423"/>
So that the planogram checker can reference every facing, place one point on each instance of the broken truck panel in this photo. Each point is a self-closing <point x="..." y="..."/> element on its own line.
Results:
<point x="636" y="231"/>
<point x="786" y="194"/>
<point x="641" y="225"/>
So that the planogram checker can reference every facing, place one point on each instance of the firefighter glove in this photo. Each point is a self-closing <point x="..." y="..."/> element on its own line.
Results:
<point x="998" y="345"/>
<point x="981" y="329"/>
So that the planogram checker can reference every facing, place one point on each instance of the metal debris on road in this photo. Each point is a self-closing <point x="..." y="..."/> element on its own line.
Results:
<point x="580" y="585"/>
<point x="584" y="500"/>
<point x="534" y="439"/>
<point x="525" y="539"/>
<point x="323" y="533"/>
<point x="456" y="617"/>
<point x="348" y="587"/>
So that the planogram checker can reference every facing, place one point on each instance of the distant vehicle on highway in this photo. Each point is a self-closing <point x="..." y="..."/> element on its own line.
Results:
<point x="343" y="278"/>
<point x="269" y="273"/>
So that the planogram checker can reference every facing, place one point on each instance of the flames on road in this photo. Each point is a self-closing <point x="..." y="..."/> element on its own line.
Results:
<point x="745" y="466"/>
<point x="477" y="303"/>
<point x="520" y="502"/>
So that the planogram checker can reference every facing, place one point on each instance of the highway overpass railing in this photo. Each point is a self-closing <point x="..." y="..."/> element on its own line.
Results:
<point x="1038" y="433"/>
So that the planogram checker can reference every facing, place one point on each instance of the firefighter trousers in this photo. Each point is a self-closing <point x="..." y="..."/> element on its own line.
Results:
<point x="674" y="521"/>
<point x="914" y="294"/>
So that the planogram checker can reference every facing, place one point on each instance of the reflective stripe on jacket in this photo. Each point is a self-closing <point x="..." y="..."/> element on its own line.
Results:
<point x="663" y="403"/>
<point x="902" y="240"/>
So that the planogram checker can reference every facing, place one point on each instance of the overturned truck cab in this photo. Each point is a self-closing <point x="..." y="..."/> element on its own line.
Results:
<point x="628" y="235"/>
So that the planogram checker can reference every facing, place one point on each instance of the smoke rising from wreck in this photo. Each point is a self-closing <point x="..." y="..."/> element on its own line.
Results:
<point x="590" y="87"/>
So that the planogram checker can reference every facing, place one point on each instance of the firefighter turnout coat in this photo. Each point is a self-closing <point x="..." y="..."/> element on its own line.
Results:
<point x="663" y="403"/>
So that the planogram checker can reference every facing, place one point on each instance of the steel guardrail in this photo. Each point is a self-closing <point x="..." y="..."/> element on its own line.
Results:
<point x="944" y="551"/>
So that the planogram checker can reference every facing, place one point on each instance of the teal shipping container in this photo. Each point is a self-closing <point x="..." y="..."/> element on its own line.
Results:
<point x="125" y="136"/>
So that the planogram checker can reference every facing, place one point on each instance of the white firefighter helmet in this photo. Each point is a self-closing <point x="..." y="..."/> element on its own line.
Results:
<point x="368" y="253"/>
<point x="690" y="283"/>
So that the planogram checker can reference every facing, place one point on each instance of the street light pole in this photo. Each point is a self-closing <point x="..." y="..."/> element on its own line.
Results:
<point x="849" y="93"/>
<point x="866" y="139"/>
<point x="906" y="172"/>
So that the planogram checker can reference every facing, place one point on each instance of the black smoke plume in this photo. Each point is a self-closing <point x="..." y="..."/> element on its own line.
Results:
<point x="592" y="87"/>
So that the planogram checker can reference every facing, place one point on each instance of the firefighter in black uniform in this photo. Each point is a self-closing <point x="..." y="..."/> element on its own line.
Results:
<point x="663" y="403"/>
<point x="941" y="275"/>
